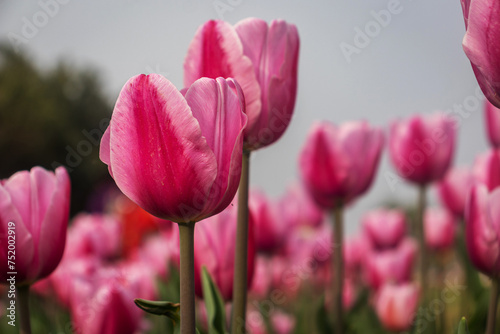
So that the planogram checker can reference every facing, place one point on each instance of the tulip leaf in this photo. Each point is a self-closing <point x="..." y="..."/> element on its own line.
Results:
<point x="168" y="309"/>
<point x="462" y="327"/>
<point x="214" y="303"/>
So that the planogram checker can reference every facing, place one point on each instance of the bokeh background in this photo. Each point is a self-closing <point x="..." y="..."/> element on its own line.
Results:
<point x="63" y="63"/>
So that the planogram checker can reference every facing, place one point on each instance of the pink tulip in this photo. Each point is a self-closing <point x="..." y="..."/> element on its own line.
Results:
<point x="492" y="118"/>
<point x="454" y="187"/>
<point x="396" y="306"/>
<point x="482" y="229"/>
<point x="480" y="44"/>
<point x="385" y="228"/>
<point x="96" y="234"/>
<point x="299" y="209"/>
<point x="263" y="60"/>
<point x="439" y="228"/>
<point x="214" y="249"/>
<point x="282" y="323"/>
<point x="394" y="265"/>
<point x="338" y="163"/>
<point x="421" y="148"/>
<point x="269" y="226"/>
<point x="354" y="251"/>
<point x="160" y="252"/>
<point x="487" y="168"/>
<point x="262" y="280"/>
<point x="178" y="157"/>
<point x="34" y="206"/>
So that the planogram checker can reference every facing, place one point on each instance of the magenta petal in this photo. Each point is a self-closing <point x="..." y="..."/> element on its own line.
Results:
<point x="217" y="107"/>
<point x="159" y="156"/>
<point x="216" y="51"/>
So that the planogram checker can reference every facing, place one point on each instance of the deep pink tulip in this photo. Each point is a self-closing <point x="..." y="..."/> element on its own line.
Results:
<point x="396" y="306"/>
<point x="422" y="147"/>
<point x="269" y="228"/>
<point x="393" y="265"/>
<point x="480" y="44"/>
<point x="339" y="162"/>
<point x="384" y="227"/>
<point x="355" y="250"/>
<point x="178" y="157"/>
<point x="439" y="227"/>
<point x="263" y="60"/>
<point x="214" y="249"/>
<point x="454" y="187"/>
<point x="492" y="118"/>
<point x="298" y="209"/>
<point x="482" y="229"/>
<point x="94" y="234"/>
<point x="487" y="168"/>
<point x="37" y="204"/>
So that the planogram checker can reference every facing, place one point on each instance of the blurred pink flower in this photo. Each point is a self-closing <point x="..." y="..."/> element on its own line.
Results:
<point x="454" y="187"/>
<point x="492" y="118"/>
<point x="297" y="208"/>
<point x="439" y="227"/>
<point x="421" y="148"/>
<point x="480" y="44"/>
<point x="482" y="229"/>
<point x="177" y="156"/>
<point x="487" y="168"/>
<point x="263" y="60"/>
<point x="214" y="249"/>
<point x="390" y="266"/>
<point x="385" y="228"/>
<point x="396" y="306"/>
<point x="35" y="205"/>
<point x="338" y="163"/>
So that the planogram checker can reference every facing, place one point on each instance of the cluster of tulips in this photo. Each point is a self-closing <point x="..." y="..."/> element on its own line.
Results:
<point x="180" y="157"/>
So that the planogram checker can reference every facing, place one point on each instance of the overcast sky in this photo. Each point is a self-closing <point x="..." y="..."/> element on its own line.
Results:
<point x="411" y="61"/>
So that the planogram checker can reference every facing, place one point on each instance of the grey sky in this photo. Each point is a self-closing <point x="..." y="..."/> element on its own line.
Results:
<point x="413" y="63"/>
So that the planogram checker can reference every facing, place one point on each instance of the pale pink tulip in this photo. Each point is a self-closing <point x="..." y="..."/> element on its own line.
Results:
<point x="439" y="227"/>
<point x="338" y="163"/>
<point x="396" y="306"/>
<point x="178" y="157"/>
<point x="482" y="229"/>
<point x="454" y="187"/>
<point x="385" y="228"/>
<point x="421" y="148"/>
<point x="34" y="207"/>
<point x="480" y="44"/>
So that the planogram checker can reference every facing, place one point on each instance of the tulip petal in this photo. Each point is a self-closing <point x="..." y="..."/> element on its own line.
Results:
<point x="218" y="110"/>
<point x="216" y="51"/>
<point x="104" y="150"/>
<point x="158" y="156"/>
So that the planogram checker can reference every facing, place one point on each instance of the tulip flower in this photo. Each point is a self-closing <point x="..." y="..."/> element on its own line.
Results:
<point x="486" y="168"/>
<point x="178" y="156"/>
<point x="480" y="44"/>
<point x="263" y="60"/>
<point x="34" y="211"/>
<point x="396" y="306"/>
<point x="393" y="265"/>
<point x="385" y="228"/>
<point x="439" y="227"/>
<point x="492" y="118"/>
<point x="337" y="165"/>
<point x="482" y="228"/>
<point x="454" y="187"/>
<point x="299" y="209"/>
<point x="214" y="249"/>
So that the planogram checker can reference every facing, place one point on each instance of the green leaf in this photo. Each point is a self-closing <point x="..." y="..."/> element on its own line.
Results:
<point x="215" y="305"/>
<point x="462" y="327"/>
<point x="168" y="309"/>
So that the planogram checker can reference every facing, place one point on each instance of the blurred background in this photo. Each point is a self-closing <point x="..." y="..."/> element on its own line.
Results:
<point x="63" y="63"/>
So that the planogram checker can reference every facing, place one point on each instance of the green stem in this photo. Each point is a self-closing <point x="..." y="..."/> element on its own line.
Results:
<point x="23" y="301"/>
<point x="423" y="269"/>
<point x="188" y="317"/>
<point x="492" y="311"/>
<point x="338" y="266"/>
<point x="238" y="323"/>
